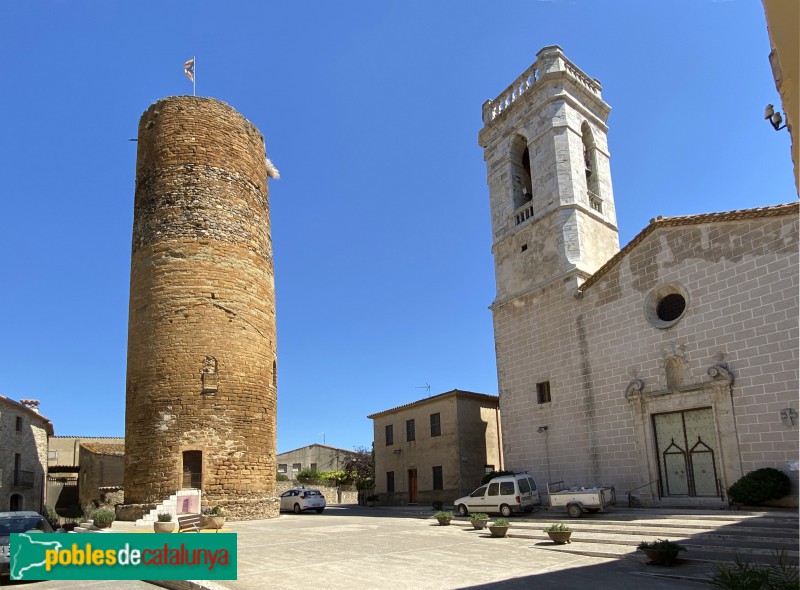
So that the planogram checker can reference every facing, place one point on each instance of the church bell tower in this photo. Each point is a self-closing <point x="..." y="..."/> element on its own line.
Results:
<point x="547" y="161"/>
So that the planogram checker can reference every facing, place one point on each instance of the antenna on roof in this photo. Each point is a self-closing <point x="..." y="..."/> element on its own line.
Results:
<point x="425" y="387"/>
<point x="323" y="437"/>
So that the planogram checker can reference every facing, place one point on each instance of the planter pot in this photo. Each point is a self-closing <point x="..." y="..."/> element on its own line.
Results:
<point x="479" y="524"/>
<point x="213" y="522"/>
<point x="498" y="531"/>
<point x="163" y="527"/>
<point x="559" y="537"/>
<point x="444" y="521"/>
<point x="661" y="557"/>
<point x="103" y="525"/>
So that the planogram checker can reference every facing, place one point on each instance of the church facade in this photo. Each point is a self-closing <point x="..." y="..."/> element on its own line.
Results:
<point x="669" y="367"/>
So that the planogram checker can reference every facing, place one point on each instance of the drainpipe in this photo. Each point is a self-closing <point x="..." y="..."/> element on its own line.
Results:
<point x="499" y="438"/>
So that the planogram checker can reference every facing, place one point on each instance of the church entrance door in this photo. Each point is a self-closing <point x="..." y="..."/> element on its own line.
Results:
<point x="687" y="453"/>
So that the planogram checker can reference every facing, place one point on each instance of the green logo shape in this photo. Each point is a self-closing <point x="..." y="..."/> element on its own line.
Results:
<point x="123" y="556"/>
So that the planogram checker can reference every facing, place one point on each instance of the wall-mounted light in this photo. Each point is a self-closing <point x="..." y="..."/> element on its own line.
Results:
<point x="774" y="118"/>
<point x="397" y="451"/>
<point x="541" y="429"/>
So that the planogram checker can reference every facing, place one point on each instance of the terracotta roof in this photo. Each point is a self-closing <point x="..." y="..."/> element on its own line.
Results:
<point x="659" y="222"/>
<point x="453" y="393"/>
<point x="105" y="448"/>
<point x="48" y="426"/>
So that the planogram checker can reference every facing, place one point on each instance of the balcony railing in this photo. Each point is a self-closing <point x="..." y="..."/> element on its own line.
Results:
<point x="522" y="214"/>
<point x="22" y="479"/>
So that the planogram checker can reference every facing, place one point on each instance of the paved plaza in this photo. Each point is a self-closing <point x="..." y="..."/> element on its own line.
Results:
<point x="404" y="547"/>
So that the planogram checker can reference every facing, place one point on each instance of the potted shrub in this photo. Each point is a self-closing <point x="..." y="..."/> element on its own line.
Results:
<point x="661" y="551"/>
<point x="164" y="523"/>
<point x="479" y="520"/>
<point x="213" y="517"/>
<point x="443" y="517"/>
<point x="102" y="518"/>
<point x="499" y="527"/>
<point x="372" y="499"/>
<point x="559" y="533"/>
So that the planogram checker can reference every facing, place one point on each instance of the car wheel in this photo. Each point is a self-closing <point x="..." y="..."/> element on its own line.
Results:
<point x="505" y="510"/>
<point x="297" y="509"/>
<point x="574" y="510"/>
<point x="319" y="510"/>
<point x="462" y="510"/>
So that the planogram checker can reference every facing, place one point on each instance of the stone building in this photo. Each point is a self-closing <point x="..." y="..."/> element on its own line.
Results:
<point x="201" y="392"/>
<point x="102" y="471"/>
<point x="63" y="466"/>
<point x="23" y="454"/>
<point x="436" y="449"/>
<point x="670" y="366"/>
<point x="317" y="457"/>
<point x="784" y="57"/>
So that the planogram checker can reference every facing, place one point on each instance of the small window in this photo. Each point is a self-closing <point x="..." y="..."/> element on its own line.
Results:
<point x="595" y="203"/>
<point x="436" y="425"/>
<point x="543" y="392"/>
<point x="390" y="481"/>
<point x="410" y="434"/>
<point x="671" y="307"/>
<point x="523" y="247"/>
<point x="480" y="492"/>
<point x="52" y="455"/>
<point x="438" y="483"/>
<point x="507" y="488"/>
<point x="532" y="484"/>
<point x="494" y="489"/>
<point x="524" y="487"/>
<point x="282" y="467"/>
<point x="666" y="305"/>
<point x="296" y="466"/>
<point x="389" y="435"/>
<point x="19" y="424"/>
<point x="488" y="468"/>
<point x="313" y="467"/>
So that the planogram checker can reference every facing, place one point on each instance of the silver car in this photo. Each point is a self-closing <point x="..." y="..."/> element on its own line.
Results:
<point x="299" y="499"/>
<point x="18" y="522"/>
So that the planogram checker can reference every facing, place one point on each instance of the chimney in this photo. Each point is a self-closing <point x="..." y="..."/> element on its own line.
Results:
<point x="31" y="404"/>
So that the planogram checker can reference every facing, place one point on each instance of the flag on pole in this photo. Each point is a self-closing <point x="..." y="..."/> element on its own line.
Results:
<point x="188" y="69"/>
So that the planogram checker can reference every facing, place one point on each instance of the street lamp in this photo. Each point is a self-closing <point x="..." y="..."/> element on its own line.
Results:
<point x="774" y="118"/>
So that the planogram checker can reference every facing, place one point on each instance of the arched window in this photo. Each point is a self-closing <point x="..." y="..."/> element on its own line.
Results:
<point x="590" y="168"/>
<point x="521" y="171"/>
<point x="15" y="504"/>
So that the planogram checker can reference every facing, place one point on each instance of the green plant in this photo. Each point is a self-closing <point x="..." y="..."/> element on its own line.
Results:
<point x="501" y="522"/>
<point x="103" y="517"/>
<point x="479" y="516"/>
<point x="493" y="474"/>
<point x="51" y="516"/>
<point x="557" y="528"/>
<point x="164" y="517"/>
<point x="660" y="545"/>
<point x="308" y="476"/>
<point x="282" y="477"/>
<point x="760" y="486"/>
<point x="745" y="575"/>
<point x="213" y="511"/>
<point x="445" y="514"/>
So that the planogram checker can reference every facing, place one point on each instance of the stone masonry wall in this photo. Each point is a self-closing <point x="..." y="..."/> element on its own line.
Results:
<point x="741" y="278"/>
<point x="201" y="339"/>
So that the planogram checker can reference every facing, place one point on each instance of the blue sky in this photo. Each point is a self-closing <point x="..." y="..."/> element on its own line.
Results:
<point x="380" y="221"/>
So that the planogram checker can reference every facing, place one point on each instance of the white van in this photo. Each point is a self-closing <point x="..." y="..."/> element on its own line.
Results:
<point x="504" y="494"/>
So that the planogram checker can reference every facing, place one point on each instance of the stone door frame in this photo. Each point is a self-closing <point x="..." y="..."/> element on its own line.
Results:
<point x="716" y="393"/>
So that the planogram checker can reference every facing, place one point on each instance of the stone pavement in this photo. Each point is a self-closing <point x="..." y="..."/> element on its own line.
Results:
<point x="403" y="547"/>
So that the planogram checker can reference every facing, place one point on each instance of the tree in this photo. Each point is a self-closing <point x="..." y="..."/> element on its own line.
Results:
<point x="362" y="465"/>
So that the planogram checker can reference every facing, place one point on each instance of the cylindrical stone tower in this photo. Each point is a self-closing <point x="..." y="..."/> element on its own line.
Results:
<point x="201" y="399"/>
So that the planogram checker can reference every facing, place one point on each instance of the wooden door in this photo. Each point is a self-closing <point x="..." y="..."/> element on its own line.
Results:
<point x="412" y="486"/>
